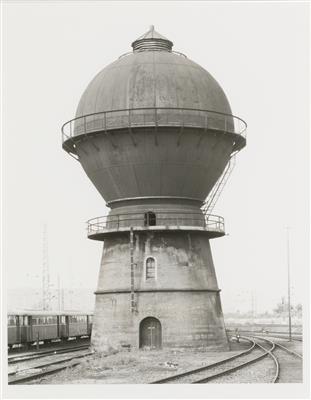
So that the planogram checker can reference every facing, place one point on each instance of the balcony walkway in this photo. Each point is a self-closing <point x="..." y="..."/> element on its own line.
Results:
<point x="154" y="117"/>
<point x="101" y="227"/>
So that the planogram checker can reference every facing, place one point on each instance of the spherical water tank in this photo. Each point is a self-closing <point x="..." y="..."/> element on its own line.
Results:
<point x="153" y="124"/>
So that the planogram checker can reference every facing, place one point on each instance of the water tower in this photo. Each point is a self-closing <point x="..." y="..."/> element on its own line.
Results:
<point x="155" y="134"/>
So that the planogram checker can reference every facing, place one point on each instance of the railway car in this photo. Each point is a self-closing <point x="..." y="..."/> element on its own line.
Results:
<point x="25" y="328"/>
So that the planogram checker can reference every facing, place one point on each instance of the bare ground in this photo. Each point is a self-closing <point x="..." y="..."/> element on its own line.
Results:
<point x="138" y="366"/>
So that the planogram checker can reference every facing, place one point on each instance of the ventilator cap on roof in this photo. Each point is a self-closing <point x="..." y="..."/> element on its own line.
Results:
<point x="152" y="41"/>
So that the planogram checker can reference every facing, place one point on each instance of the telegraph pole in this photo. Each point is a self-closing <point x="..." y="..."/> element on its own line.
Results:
<point x="58" y="294"/>
<point x="288" y="286"/>
<point x="45" y="271"/>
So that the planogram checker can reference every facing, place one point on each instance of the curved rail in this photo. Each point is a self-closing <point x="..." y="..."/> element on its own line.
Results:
<point x="155" y="117"/>
<point x="163" y="220"/>
<point x="275" y="345"/>
<point x="206" y="367"/>
<point x="243" y="365"/>
<point x="230" y="369"/>
<point x="275" y="360"/>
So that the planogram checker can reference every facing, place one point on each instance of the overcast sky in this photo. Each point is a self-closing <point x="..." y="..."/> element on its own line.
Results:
<point x="258" y="52"/>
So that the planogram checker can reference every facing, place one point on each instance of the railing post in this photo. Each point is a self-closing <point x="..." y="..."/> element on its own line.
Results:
<point x="84" y="124"/>
<point x="105" y="122"/>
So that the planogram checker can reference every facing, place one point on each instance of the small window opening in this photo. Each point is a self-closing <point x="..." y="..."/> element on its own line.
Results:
<point x="150" y="218"/>
<point x="150" y="268"/>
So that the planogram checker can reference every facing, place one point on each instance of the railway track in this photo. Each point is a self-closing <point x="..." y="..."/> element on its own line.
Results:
<point x="33" y="372"/>
<point x="245" y="363"/>
<point x="40" y="354"/>
<point x="264" y="358"/>
<point x="276" y="335"/>
<point x="204" y="374"/>
<point x="289" y="365"/>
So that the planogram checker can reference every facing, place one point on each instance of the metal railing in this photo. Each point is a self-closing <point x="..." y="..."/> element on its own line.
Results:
<point x="213" y="223"/>
<point x="171" y="51"/>
<point x="153" y="117"/>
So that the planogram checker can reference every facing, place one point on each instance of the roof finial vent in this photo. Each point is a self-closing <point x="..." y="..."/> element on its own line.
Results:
<point x="152" y="41"/>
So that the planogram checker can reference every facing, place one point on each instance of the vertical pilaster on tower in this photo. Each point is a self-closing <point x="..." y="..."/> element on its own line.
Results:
<point x="133" y="303"/>
<point x="155" y="134"/>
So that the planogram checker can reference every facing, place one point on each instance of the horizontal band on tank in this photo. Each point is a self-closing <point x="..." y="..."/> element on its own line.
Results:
<point x="175" y="198"/>
<point x="155" y="291"/>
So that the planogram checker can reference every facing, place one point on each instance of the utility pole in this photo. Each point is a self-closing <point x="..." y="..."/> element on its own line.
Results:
<point x="45" y="271"/>
<point x="58" y="294"/>
<point x="288" y="286"/>
<point x="252" y="297"/>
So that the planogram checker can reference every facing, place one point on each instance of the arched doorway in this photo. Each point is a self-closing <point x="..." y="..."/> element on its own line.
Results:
<point x="150" y="333"/>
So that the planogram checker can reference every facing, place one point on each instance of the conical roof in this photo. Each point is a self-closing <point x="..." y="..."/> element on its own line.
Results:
<point x="151" y="41"/>
<point x="152" y="34"/>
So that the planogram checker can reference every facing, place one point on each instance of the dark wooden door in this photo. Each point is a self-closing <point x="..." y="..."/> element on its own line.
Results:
<point x="150" y="334"/>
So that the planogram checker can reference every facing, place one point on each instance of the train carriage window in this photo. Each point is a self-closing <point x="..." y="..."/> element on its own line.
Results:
<point x="39" y="320"/>
<point x="11" y="320"/>
<point x="73" y="318"/>
<point x="62" y="319"/>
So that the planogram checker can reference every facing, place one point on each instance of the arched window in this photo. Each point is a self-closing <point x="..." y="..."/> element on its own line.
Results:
<point x="150" y="268"/>
<point x="150" y="219"/>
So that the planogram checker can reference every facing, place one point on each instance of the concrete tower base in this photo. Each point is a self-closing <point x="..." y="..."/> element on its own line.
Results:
<point x="175" y="290"/>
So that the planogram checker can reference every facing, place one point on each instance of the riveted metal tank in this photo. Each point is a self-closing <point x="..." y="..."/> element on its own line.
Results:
<point x="154" y="124"/>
